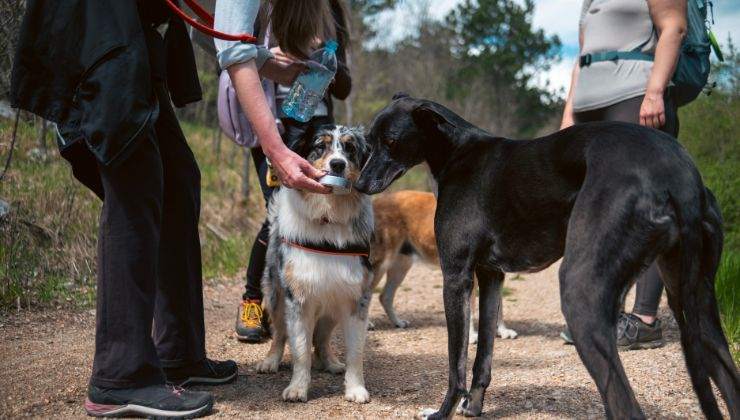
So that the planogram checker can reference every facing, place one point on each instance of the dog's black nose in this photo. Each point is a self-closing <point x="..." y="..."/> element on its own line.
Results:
<point x="337" y="165"/>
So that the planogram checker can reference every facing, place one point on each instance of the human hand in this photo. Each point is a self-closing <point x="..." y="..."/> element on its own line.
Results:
<point x="652" y="110"/>
<point x="296" y="172"/>
<point x="282" y="56"/>
<point x="283" y="70"/>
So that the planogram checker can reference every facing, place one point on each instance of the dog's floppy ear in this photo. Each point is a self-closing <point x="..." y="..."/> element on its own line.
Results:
<point x="430" y="118"/>
<point x="400" y="95"/>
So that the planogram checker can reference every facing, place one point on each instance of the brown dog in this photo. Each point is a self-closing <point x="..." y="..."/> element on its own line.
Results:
<point x="404" y="228"/>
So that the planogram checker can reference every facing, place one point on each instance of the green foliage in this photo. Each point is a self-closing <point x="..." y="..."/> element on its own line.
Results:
<point x="727" y="288"/>
<point x="710" y="130"/>
<point x="479" y="61"/>
<point x="48" y="241"/>
<point x="497" y="43"/>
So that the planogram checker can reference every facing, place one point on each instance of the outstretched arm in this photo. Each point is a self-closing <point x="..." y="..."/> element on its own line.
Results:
<point x="294" y="171"/>
<point x="242" y="62"/>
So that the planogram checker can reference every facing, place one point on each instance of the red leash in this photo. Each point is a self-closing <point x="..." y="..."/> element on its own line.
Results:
<point x="203" y="14"/>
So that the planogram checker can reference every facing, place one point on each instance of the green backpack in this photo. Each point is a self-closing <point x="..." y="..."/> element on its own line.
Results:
<point x="692" y="70"/>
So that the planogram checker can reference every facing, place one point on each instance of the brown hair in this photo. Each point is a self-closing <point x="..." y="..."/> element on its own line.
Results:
<point x="297" y="24"/>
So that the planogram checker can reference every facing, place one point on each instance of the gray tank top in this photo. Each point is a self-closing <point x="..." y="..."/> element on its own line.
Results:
<point x="614" y="25"/>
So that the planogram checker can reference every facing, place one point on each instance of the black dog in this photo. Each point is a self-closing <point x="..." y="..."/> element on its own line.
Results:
<point x="609" y="197"/>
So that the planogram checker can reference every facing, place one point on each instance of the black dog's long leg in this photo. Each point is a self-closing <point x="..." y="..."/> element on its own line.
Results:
<point x="590" y="287"/>
<point x="458" y="284"/>
<point x="489" y="284"/>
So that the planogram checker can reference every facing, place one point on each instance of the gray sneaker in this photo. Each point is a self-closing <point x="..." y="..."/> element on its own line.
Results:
<point x="634" y="334"/>
<point x="157" y="401"/>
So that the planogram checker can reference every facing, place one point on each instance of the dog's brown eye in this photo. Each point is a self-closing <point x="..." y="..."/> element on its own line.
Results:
<point x="390" y="142"/>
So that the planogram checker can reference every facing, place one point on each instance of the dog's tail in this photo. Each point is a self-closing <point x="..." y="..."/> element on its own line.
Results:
<point x="697" y="313"/>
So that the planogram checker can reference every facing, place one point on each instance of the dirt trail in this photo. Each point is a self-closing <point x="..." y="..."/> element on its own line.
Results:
<point x="45" y="361"/>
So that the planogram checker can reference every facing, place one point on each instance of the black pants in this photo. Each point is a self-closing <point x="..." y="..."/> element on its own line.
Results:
<point x="649" y="286"/>
<point x="149" y="294"/>
<point x="294" y="130"/>
<point x="259" y="248"/>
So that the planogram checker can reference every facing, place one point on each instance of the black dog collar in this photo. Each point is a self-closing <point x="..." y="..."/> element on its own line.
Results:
<point x="329" y="249"/>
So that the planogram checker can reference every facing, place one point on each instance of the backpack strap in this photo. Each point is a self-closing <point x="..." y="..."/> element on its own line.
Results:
<point x="634" y="54"/>
<point x="587" y="59"/>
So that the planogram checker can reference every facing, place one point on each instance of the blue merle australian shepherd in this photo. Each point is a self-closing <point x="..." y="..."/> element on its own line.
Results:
<point x="317" y="274"/>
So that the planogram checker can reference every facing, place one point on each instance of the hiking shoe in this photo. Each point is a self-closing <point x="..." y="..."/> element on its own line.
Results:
<point x="249" y="322"/>
<point x="205" y="372"/>
<point x="565" y="335"/>
<point x="633" y="333"/>
<point x="162" y="401"/>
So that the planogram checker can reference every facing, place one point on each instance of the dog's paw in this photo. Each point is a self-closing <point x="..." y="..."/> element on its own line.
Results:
<point x="506" y="333"/>
<point x="427" y="413"/>
<point x="473" y="338"/>
<point x="400" y="323"/>
<point x="295" y="393"/>
<point x="466" y="409"/>
<point x="357" y="394"/>
<point x="269" y="365"/>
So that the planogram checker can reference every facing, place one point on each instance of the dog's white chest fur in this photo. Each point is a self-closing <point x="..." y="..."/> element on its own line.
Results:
<point x="325" y="278"/>
<point x="339" y="221"/>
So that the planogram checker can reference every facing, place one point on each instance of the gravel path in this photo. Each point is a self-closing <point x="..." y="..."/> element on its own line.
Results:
<point x="45" y="360"/>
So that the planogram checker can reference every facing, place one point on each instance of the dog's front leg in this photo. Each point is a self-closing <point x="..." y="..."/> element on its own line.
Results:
<point x="490" y="283"/>
<point x="355" y="330"/>
<point x="300" y="322"/>
<point x="458" y="283"/>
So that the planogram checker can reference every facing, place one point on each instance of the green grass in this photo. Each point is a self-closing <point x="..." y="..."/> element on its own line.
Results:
<point x="727" y="287"/>
<point x="710" y="130"/>
<point x="47" y="245"/>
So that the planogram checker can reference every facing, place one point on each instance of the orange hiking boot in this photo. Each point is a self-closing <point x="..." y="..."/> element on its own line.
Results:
<point x="249" y="322"/>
